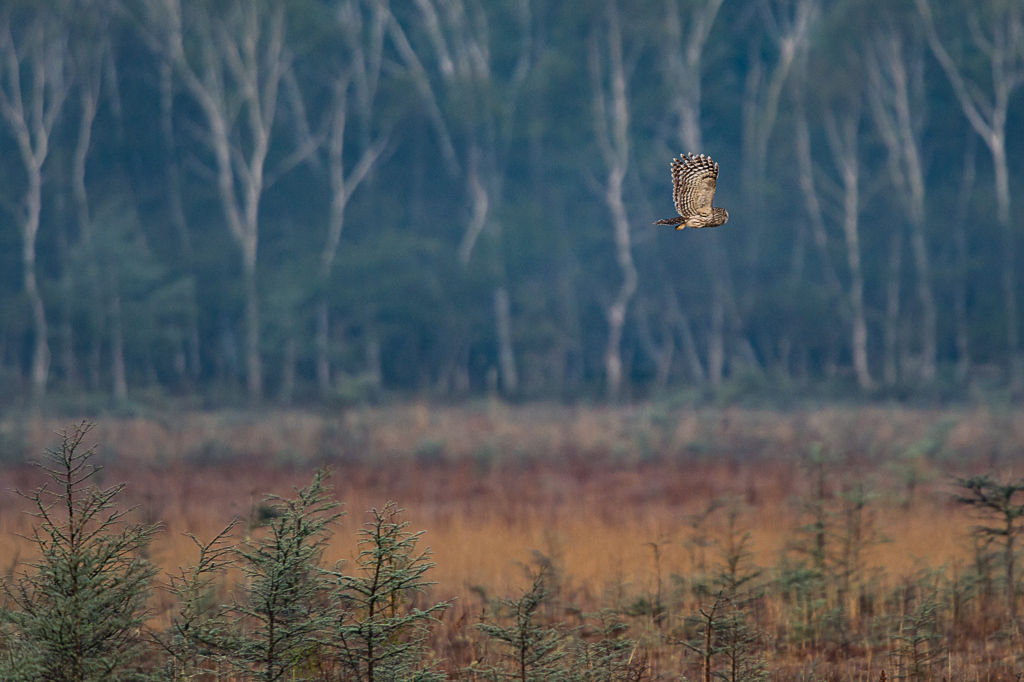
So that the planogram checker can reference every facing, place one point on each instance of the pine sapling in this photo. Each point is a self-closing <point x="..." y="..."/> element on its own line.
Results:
<point x="919" y="644"/>
<point x="704" y="641"/>
<point x="533" y="652"/>
<point x="280" y="610"/>
<point x="1000" y="502"/>
<point x="198" y="624"/>
<point x="375" y="631"/>
<point x="603" y="653"/>
<point x="736" y="569"/>
<point x="77" y="615"/>
<point x="739" y="645"/>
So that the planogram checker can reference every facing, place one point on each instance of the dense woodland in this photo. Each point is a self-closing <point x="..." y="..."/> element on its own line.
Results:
<point x="293" y="201"/>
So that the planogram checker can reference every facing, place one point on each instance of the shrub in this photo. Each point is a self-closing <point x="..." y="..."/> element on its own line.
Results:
<point x="375" y="631"/>
<point x="273" y="634"/>
<point x="191" y="639"/>
<point x="533" y="652"/>
<point x="77" y="614"/>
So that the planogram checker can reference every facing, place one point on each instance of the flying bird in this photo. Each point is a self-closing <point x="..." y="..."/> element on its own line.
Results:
<point x="693" y="189"/>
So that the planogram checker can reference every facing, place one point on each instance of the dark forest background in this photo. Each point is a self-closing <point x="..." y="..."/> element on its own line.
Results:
<point x="239" y="202"/>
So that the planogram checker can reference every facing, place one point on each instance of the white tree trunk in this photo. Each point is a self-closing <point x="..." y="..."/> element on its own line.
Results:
<point x="30" y="229"/>
<point x="117" y="367"/>
<point x="611" y="126"/>
<point x="321" y="347"/>
<point x="843" y="142"/>
<point x="891" y="331"/>
<point x="288" y="371"/>
<point x="1001" y="40"/>
<point x="253" y="355"/>
<point x="89" y="94"/>
<point x="343" y="185"/>
<point x="241" y="63"/>
<point x="899" y="116"/>
<point x="30" y="110"/>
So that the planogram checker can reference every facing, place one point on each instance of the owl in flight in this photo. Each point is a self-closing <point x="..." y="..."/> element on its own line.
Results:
<point x="693" y="188"/>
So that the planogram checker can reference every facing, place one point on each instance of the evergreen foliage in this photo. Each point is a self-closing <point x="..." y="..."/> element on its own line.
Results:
<point x="603" y="652"/>
<point x="919" y="649"/>
<point x="1000" y="504"/>
<point x="280" y="607"/>
<point x="531" y="651"/>
<point x="375" y="629"/>
<point x="80" y="611"/>
<point x="191" y="639"/>
<point x="76" y="614"/>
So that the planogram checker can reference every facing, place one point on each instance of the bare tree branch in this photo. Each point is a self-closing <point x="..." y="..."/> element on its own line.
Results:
<point x="1004" y="47"/>
<point x="237" y="70"/>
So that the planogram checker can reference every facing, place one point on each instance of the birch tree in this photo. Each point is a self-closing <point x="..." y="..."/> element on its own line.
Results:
<point x="611" y="130"/>
<point x="843" y="136"/>
<point x="90" y="68"/>
<point x="34" y="84"/>
<point x="93" y="53"/>
<point x="997" y="33"/>
<point x="235" y="75"/>
<point x="842" y="120"/>
<point x="483" y="101"/>
<point x="363" y="26"/>
<point x="891" y="327"/>
<point x="895" y="68"/>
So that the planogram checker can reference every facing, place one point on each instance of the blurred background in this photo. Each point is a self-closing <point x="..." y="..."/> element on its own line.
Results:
<point x="333" y="202"/>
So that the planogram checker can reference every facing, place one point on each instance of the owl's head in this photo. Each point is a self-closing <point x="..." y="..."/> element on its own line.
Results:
<point x="719" y="216"/>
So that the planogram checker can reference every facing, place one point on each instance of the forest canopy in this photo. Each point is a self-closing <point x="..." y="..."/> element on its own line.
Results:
<point x="335" y="200"/>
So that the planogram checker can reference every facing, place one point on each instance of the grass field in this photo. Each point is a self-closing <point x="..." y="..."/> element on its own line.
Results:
<point x="633" y="507"/>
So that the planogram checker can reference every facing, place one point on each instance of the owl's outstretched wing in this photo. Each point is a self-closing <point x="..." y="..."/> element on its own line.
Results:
<point x="693" y="184"/>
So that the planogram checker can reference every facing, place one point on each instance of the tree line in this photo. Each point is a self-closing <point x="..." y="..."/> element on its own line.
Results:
<point x="329" y="199"/>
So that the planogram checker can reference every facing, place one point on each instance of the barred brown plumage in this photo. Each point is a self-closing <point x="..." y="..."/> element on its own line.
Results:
<point x="693" y="189"/>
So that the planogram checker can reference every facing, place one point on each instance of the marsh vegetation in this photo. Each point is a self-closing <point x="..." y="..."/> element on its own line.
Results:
<point x="629" y="544"/>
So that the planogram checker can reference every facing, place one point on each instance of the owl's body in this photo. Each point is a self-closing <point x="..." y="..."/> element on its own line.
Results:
<point x="693" y="189"/>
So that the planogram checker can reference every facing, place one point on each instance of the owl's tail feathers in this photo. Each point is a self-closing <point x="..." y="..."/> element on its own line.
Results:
<point x="673" y="221"/>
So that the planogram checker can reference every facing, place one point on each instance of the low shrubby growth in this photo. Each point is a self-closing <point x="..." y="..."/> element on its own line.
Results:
<point x="261" y="599"/>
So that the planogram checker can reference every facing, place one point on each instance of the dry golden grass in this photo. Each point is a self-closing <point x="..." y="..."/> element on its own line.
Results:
<point x="595" y="495"/>
<point x="593" y="488"/>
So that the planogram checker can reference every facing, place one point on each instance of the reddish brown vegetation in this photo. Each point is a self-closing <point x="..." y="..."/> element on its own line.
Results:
<point x="597" y="491"/>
